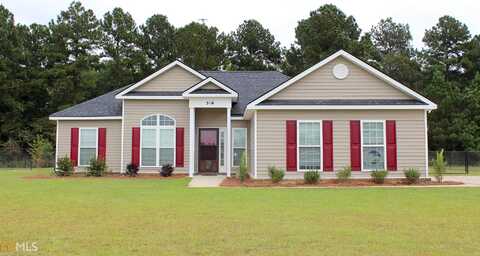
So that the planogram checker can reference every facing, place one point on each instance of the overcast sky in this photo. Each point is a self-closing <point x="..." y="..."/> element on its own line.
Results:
<point x="279" y="16"/>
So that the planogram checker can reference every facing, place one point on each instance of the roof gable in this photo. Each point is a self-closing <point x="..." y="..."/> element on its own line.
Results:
<point x="210" y="84"/>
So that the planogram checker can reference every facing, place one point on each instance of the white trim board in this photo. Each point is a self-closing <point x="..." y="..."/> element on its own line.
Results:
<point x="212" y="80"/>
<point x="306" y="107"/>
<point x="162" y="70"/>
<point x="354" y="60"/>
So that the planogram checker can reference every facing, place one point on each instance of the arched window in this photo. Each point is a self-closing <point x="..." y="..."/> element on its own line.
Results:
<point x="157" y="141"/>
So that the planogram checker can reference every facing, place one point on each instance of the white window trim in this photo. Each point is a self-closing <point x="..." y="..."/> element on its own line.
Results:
<point x="157" y="129"/>
<point x="379" y="145"/>
<point x="246" y="145"/>
<point x="80" y="145"/>
<point x="298" y="144"/>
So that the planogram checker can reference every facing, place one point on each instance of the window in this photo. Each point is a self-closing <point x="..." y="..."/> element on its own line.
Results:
<point x="88" y="145"/>
<point x="373" y="145"/>
<point x="157" y="141"/>
<point x="239" y="144"/>
<point x="309" y="145"/>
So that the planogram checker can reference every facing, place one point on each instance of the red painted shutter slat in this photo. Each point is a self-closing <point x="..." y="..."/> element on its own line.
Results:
<point x="327" y="145"/>
<point x="136" y="145"/>
<point x="355" y="147"/>
<point x="74" y="146"/>
<point x="102" y="143"/>
<point x="291" y="126"/>
<point x="180" y="147"/>
<point x="391" y="145"/>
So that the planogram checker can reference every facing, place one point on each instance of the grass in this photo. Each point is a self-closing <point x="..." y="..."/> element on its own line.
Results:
<point x="460" y="170"/>
<point x="101" y="216"/>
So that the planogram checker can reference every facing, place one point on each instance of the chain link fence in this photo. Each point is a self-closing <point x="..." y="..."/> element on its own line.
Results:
<point x="24" y="160"/>
<point x="459" y="162"/>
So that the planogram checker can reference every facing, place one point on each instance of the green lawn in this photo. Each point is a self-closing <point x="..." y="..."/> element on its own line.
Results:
<point x="460" y="170"/>
<point x="101" y="216"/>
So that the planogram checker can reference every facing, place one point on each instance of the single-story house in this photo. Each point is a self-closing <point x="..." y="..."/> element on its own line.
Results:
<point x="340" y="112"/>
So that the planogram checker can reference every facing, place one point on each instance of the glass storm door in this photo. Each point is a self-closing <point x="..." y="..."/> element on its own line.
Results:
<point x="208" y="150"/>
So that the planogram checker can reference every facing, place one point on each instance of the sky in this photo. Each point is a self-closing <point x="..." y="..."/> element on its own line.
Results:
<point x="279" y="16"/>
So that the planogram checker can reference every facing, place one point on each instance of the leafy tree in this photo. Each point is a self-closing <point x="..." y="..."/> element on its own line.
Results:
<point x="253" y="47"/>
<point x="157" y="41"/>
<point x="293" y="62"/>
<point x="200" y="46"/>
<point x="390" y="37"/>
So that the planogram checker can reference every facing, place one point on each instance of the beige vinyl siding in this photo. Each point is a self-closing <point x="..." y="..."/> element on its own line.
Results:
<point x="210" y="86"/>
<point x="321" y="84"/>
<point x="175" y="79"/>
<point x="271" y="135"/>
<point x="114" y="137"/>
<point x="211" y="117"/>
<point x="136" y="110"/>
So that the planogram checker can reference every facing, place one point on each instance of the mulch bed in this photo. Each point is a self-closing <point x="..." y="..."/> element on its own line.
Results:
<point x="234" y="182"/>
<point x="142" y="176"/>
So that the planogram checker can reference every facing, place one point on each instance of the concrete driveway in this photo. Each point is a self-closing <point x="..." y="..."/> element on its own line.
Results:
<point x="467" y="180"/>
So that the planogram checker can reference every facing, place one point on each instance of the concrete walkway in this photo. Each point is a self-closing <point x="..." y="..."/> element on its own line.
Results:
<point x="206" y="181"/>
<point x="467" y="180"/>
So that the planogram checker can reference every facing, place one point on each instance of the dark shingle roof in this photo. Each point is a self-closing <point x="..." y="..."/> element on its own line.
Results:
<point x="335" y="102"/>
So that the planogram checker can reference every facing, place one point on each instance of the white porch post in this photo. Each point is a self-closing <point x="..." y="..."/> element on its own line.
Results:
<point x="228" y="157"/>
<point x="191" y="163"/>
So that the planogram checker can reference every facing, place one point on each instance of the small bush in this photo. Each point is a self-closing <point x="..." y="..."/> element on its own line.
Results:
<point x="41" y="151"/>
<point x="311" y="177"/>
<point x="166" y="170"/>
<point x="64" y="167"/>
<point x="412" y="175"/>
<point x="275" y="174"/>
<point x="379" y="176"/>
<point x="439" y="166"/>
<point x="242" y="172"/>
<point x="97" y="167"/>
<point x="132" y="170"/>
<point x="344" y="174"/>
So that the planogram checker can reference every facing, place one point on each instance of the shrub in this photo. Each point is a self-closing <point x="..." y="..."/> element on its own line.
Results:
<point x="97" y="167"/>
<point x="275" y="174"/>
<point x="41" y="151"/>
<point x="379" y="176"/>
<point x="439" y="166"/>
<point x="132" y="170"/>
<point x="344" y="174"/>
<point x="311" y="177"/>
<point x="166" y="170"/>
<point x="64" y="167"/>
<point x="242" y="172"/>
<point x="412" y="175"/>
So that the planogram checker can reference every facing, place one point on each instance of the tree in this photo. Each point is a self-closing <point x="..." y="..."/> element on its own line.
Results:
<point x="200" y="46"/>
<point x="253" y="47"/>
<point x="157" y="41"/>
<point x="390" y="37"/>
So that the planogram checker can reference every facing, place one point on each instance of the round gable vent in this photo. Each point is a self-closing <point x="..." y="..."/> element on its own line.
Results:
<point x="340" y="71"/>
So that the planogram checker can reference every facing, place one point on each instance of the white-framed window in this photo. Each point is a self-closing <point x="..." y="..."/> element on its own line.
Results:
<point x="88" y="143"/>
<point x="239" y="145"/>
<point x="309" y="145"/>
<point x="373" y="145"/>
<point x="157" y="141"/>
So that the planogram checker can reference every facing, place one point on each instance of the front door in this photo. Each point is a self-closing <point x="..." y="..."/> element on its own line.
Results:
<point x="208" y="150"/>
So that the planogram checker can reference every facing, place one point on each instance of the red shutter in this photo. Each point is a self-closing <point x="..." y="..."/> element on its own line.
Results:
<point x="136" y="145"/>
<point x="327" y="145"/>
<point x="180" y="147"/>
<point x="391" y="145"/>
<point x="102" y="143"/>
<point x="355" y="147"/>
<point x="74" y="146"/>
<point x="291" y="145"/>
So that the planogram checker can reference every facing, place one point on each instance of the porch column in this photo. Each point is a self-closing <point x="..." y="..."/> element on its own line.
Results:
<point x="228" y="157"/>
<point x="191" y="163"/>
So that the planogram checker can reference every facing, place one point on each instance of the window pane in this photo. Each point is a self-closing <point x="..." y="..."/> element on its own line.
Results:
<point x="86" y="154"/>
<point x="88" y="138"/>
<point x="239" y="136"/>
<point x="309" y="158"/>
<point x="149" y="157"/>
<point x="309" y="134"/>
<point x="373" y="133"/>
<point x="165" y="121"/>
<point x="237" y="156"/>
<point x="373" y="158"/>
<point x="149" y="138"/>
<point x="166" y="156"/>
<point x="167" y="138"/>
<point x="151" y="120"/>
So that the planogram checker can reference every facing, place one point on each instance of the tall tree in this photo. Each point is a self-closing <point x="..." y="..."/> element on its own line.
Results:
<point x="390" y="37"/>
<point x="158" y="41"/>
<point x="200" y="46"/>
<point x="253" y="47"/>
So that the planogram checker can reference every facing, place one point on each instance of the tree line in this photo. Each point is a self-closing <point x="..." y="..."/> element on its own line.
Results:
<point x="77" y="56"/>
